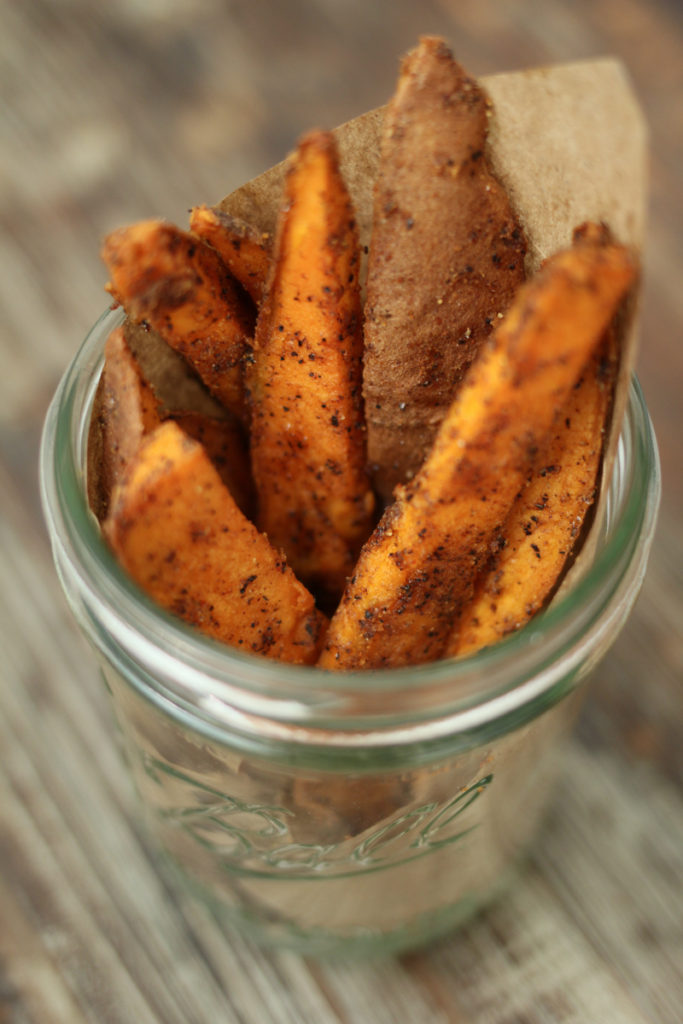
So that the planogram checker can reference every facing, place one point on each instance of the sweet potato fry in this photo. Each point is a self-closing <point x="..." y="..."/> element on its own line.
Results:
<point x="446" y="257"/>
<point x="176" y="529"/>
<point x="419" y="567"/>
<point x="225" y="442"/>
<point x="126" y="410"/>
<point x="179" y="286"/>
<point x="307" y="434"/>
<point x="245" y="251"/>
<point x="536" y="541"/>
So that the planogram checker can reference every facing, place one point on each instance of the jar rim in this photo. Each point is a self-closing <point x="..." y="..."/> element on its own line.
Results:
<point x="225" y="688"/>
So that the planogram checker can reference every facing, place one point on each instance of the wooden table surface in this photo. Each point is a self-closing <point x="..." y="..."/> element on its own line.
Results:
<point x="111" y="112"/>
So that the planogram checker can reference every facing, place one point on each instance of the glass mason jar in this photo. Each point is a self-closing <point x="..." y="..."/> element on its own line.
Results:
<point x="328" y="812"/>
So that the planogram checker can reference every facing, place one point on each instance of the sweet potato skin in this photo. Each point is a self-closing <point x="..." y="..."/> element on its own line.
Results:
<point x="418" y="569"/>
<point x="245" y="251"/>
<point x="446" y="257"/>
<point x="176" y="529"/>
<point x="307" y="430"/>
<point x="178" y="285"/>
<point x="536" y="541"/>
<point x="126" y="410"/>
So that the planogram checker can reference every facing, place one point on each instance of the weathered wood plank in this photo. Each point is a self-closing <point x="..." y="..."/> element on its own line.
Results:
<point x="31" y="980"/>
<point x="527" y="961"/>
<point x="613" y="855"/>
<point x="69" y="846"/>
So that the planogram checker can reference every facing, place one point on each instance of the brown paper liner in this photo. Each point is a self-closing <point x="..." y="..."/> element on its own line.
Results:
<point x="569" y="143"/>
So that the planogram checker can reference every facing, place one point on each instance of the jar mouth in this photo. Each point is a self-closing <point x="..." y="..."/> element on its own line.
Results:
<point x="226" y="688"/>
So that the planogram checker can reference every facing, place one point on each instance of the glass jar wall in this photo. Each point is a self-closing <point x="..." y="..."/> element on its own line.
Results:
<point x="339" y="813"/>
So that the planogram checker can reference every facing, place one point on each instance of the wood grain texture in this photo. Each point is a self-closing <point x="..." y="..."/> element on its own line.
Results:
<point x="116" y="112"/>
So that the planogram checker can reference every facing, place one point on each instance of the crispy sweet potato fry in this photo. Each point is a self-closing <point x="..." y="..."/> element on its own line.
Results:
<point x="179" y="286"/>
<point x="245" y="251"/>
<point x="536" y="541"/>
<point x="446" y="257"/>
<point x="126" y="410"/>
<point x="225" y="442"/>
<point x="308" y="439"/>
<point x="176" y="529"/>
<point x="419" y="567"/>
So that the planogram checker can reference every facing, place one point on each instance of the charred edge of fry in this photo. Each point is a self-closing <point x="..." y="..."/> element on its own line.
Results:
<point x="98" y="498"/>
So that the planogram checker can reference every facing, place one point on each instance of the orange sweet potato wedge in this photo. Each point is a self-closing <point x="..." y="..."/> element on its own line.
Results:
<point x="178" y="532"/>
<point x="307" y="430"/>
<point x="446" y="257"/>
<point x="418" y="569"/>
<point x="179" y="285"/>
<point x="536" y="541"/>
<point x="245" y="251"/>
